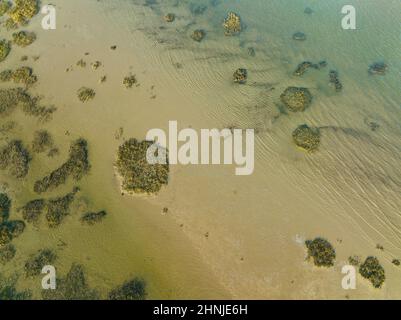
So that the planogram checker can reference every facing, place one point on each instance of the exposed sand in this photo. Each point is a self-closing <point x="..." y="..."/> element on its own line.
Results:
<point x="347" y="192"/>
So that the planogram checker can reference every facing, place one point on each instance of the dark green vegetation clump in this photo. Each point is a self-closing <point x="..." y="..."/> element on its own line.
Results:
<point x="59" y="208"/>
<point x="134" y="289"/>
<point x="32" y="210"/>
<point x="335" y="80"/>
<point x="14" y="97"/>
<point x="42" y="141"/>
<point x="73" y="287"/>
<point x="130" y="81"/>
<point x="300" y="36"/>
<point x="137" y="174"/>
<point x="36" y="262"/>
<point x="306" y="138"/>
<point x="373" y="271"/>
<point x="396" y="262"/>
<point x="15" y="158"/>
<point x="90" y="218"/>
<point x="169" y="17"/>
<point x="378" y="68"/>
<point x="24" y="38"/>
<point x="85" y="94"/>
<point x="354" y="260"/>
<point x="240" y="76"/>
<point x="296" y="99"/>
<point x="7" y="253"/>
<point x="5" y="49"/>
<point x="76" y="166"/>
<point x="5" y="205"/>
<point x="8" y="289"/>
<point x="321" y="251"/>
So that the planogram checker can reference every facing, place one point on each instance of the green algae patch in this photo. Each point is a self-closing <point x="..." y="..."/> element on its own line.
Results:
<point x="73" y="286"/>
<point x="15" y="158"/>
<point x="232" y="24"/>
<point x="321" y="251"/>
<point x="91" y="218"/>
<point x="372" y="270"/>
<point x="137" y="174"/>
<point x="24" y="38"/>
<point x="76" y="166"/>
<point x="296" y="99"/>
<point x="306" y="138"/>
<point x="58" y="208"/>
<point x="5" y="49"/>
<point x="134" y="289"/>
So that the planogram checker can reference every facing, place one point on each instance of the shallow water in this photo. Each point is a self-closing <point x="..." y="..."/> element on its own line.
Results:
<point x="347" y="192"/>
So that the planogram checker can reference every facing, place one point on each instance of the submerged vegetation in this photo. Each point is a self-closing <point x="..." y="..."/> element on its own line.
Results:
<point x="8" y="289"/>
<point x="58" y="208"/>
<point x="306" y="138"/>
<point x="23" y="11"/>
<point x="232" y="24"/>
<point x="73" y="287"/>
<point x="91" y="218"/>
<point x="32" y="210"/>
<point x="11" y="98"/>
<point x="378" y="68"/>
<point x="5" y="205"/>
<point x="372" y="270"/>
<point x="85" y="94"/>
<point x="198" y="35"/>
<point x="335" y="81"/>
<point x="7" y="253"/>
<point x="5" y="5"/>
<point x="36" y="262"/>
<point x="22" y="75"/>
<point x="15" y="158"/>
<point x="76" y="166"/>
<point x="240" y="76"/>
<point x="134" y="289"/>
<point x="321" y="251"/>
<point x="5" y="49"/>
<point x="42" y="141"/>
<point x="296" y="99"/>
<point x="137" y="174"/>
<point x="130" y="81"/>
<point x="24" y="38"/>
